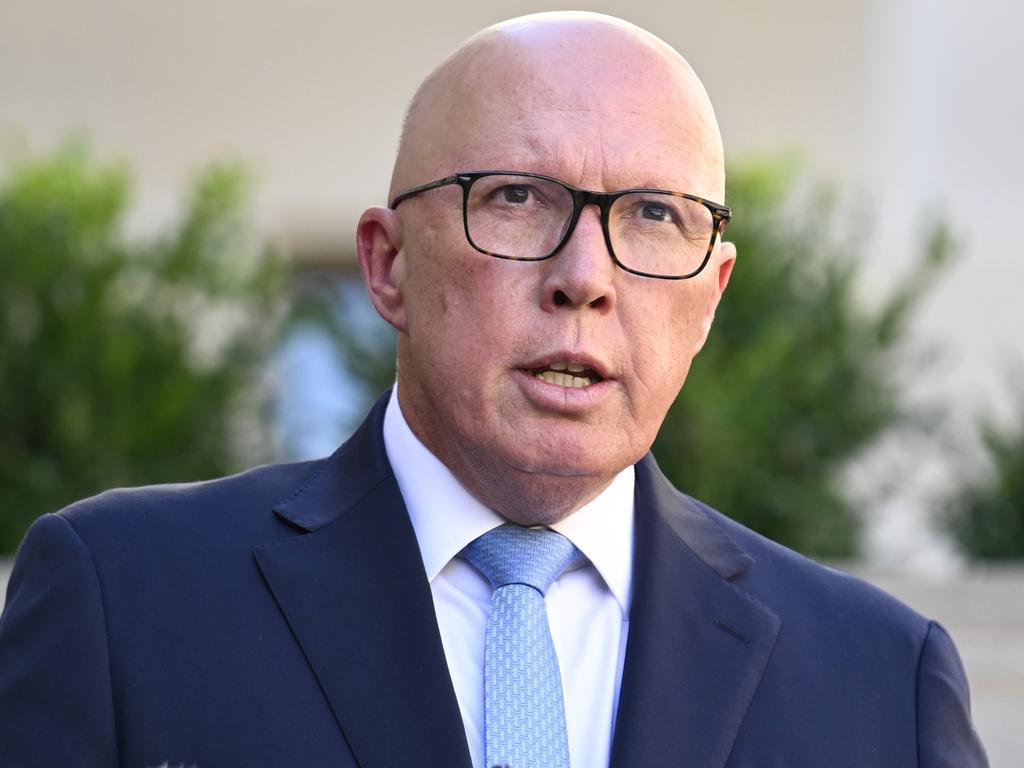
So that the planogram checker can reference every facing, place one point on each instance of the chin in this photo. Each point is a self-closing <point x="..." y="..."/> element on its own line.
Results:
<point x="570" y="462"/>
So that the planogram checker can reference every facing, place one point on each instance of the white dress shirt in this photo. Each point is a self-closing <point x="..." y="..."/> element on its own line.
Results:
<point x="588" y="606"/>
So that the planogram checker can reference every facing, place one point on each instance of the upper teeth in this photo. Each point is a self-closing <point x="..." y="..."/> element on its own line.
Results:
<point x="574" y="367"/>
<point x="555" y="375"/>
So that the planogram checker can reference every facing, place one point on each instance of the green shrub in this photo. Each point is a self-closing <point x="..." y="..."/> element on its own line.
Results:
<point x="123" y="361"/>
<point x="986" y="516"/>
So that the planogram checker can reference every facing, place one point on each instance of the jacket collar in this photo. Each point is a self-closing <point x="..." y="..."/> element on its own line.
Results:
<point x="698" y="644"/>
<point x="353" y="589"/>
<point x="352" y="472"/>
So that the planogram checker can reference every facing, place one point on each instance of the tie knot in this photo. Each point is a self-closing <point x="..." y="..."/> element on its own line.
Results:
<point x="511" y="554"/>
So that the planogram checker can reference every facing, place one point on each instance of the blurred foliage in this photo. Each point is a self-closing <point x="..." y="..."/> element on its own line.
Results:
<point x="986" y="516"/>
<point x="800" y="373"/>
<point x="124" y="362"/>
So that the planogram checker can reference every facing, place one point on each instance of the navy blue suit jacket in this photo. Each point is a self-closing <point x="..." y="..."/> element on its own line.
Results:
<point x="282" y="617"/>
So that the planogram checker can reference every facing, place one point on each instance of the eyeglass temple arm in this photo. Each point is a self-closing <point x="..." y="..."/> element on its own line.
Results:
<point x="453" y="179"/>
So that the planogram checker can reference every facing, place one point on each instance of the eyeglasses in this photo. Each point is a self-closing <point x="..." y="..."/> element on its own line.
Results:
<point x="529" y="217"/>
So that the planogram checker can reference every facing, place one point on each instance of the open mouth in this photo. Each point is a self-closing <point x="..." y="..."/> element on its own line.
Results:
<point x="571" y="375"/>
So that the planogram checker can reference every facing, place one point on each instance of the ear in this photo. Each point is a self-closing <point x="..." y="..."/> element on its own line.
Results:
<point x="727" y="259"/>
<point x="722" y="266"/>
<point x="379" y="247"/>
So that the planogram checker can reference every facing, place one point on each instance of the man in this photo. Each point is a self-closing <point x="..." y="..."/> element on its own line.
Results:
<point x="551" y="259"/>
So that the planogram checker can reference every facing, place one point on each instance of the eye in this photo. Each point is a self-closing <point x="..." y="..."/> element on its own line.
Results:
<point x="656" y="212"/>
<point x="515" y="194"/>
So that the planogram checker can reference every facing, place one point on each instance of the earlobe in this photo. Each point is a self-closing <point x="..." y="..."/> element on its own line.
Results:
<point x="378" y="245"/>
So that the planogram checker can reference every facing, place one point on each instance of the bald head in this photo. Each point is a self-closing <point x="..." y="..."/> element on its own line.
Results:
<point x="573" y="70"/>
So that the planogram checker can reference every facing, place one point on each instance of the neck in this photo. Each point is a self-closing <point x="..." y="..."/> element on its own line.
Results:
<point x="531" y="498"/>
<point x="523" y="496"/>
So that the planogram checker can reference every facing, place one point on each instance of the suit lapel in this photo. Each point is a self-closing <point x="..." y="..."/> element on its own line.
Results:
<point x="353" y="590"/>
<point x="697" y="645"/>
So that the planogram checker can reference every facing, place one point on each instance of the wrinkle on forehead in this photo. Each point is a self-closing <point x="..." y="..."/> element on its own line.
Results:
<point x="547" y="80"/>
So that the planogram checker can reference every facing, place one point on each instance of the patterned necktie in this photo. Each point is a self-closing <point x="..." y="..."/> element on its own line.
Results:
<point x="524" y="713"/>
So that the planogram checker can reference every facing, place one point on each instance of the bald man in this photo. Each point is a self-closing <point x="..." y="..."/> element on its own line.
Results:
<point x="551" y="259"/>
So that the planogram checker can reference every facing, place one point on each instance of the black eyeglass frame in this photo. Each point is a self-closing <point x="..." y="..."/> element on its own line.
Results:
<point x="581" y="198"/>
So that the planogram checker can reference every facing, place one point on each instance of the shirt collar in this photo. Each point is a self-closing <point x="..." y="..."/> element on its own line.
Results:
<point x="446" y="517"/>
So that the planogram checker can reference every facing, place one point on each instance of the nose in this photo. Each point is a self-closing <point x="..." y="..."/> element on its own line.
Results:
<point x="581" y="275"/>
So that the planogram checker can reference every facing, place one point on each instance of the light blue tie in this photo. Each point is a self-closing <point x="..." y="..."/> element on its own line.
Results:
<point x="524" y="712"/>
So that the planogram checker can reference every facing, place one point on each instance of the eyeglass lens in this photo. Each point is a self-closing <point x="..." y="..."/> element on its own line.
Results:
<point x="525" y="217"/>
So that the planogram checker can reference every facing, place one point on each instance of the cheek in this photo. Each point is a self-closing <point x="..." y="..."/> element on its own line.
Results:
<point x="691" y="316"/>
<point x="459" y="307"/>
<point x="464" y="299"/>
<point x="669" y="338"/>
<point x="430" y="288"/>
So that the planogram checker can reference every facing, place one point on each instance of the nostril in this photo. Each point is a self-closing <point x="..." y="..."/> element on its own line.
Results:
<point x="561" y="299"/>
<point x="597" y="303"/>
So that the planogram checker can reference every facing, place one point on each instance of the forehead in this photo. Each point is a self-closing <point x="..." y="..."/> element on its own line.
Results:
<point x="601" y="150"/>
<point x="606" y="117"/>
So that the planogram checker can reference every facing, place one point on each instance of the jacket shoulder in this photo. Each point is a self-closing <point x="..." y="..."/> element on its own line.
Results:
<point x="812" y="593"/>
<point x="239" y="502"/>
